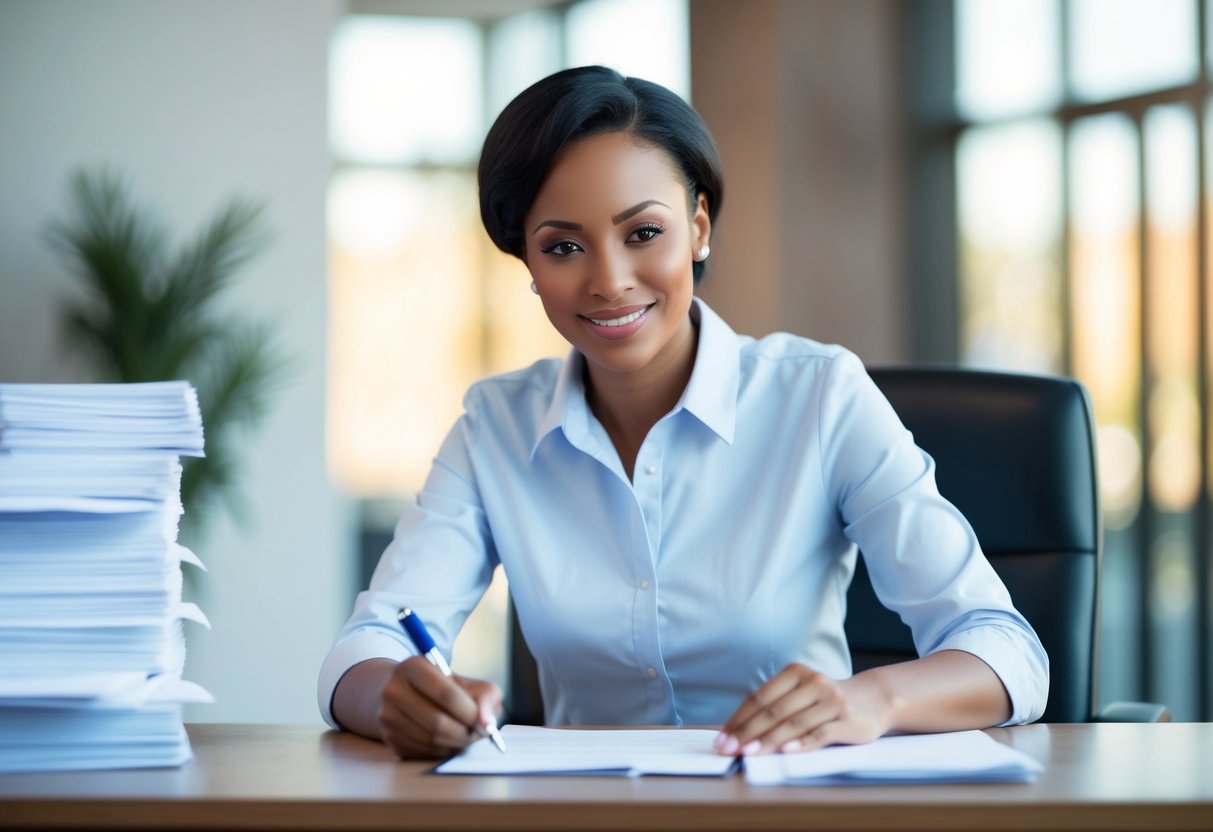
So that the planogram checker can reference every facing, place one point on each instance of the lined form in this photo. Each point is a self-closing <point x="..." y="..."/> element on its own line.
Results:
<point x="533" y="750"/>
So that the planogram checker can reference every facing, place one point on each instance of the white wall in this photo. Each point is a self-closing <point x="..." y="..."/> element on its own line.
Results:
<point x="196" y="102"/>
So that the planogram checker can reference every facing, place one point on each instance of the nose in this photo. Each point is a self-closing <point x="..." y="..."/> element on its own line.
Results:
<point x="610" y="275"/>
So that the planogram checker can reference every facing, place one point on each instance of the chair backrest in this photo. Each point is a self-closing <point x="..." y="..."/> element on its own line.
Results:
<point x="523" y="699"/>
<point x="1016" y="454"/>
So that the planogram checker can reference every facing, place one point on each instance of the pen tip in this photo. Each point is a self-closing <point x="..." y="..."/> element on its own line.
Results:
<point x="498" y="740"/>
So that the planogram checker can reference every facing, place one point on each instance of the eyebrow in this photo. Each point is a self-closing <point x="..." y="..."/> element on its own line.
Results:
<point x="634" y="210"/>
<point x="615" y="220"/>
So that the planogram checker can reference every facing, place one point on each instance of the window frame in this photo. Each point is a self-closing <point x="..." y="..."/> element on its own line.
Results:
<point x="935" y="127"/>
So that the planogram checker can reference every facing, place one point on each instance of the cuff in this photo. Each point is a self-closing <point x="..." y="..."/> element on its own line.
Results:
<point x="354" y="648"/>
<point x="1023" y="668"/>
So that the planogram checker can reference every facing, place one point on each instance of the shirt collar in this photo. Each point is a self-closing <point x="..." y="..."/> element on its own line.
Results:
<point x="568" y="409"/>
<point x="710" y="395"/>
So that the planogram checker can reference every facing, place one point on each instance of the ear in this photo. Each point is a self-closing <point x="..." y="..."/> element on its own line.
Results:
<point x="701" y="224"/>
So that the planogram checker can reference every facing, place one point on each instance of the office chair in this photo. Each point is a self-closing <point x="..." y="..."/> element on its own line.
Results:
<point x="1016" y="454"/>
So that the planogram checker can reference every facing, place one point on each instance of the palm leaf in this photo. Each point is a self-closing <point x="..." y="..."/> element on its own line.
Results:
<point x="146" y="317"/>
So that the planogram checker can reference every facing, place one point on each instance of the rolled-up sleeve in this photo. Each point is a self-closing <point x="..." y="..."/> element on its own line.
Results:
<point x="923" y="557"/>
<point x="440" y="562"/>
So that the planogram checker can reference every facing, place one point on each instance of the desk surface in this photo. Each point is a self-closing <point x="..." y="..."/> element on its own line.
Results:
<point x="1104" y="777"/>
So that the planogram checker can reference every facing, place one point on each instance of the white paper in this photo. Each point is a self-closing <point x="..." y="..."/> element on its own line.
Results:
<point x="956" y="757"/>
<point x="126" y="689"/>
<point x="70" y="686"/>
<point x="154" y="417"/>
<point x="92" y="642"/>
<point x="532" y="750"/>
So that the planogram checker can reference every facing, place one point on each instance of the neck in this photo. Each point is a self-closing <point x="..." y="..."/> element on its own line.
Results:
<point x="629" y="404"/>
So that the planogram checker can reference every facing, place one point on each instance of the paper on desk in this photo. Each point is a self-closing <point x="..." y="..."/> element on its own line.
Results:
<point x="532" y="750"/>
<point x="957" y="757"/>
<point x="121" y="689"/>
<point x="151" y="417"/>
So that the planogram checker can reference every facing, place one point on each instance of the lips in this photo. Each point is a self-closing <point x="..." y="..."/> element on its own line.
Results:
<point x="617" y="323"/>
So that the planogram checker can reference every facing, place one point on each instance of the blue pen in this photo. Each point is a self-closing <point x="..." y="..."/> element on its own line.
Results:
<point x="425" y="645"/>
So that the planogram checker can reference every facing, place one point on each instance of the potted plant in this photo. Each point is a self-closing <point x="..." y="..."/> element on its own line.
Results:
<point x="148" y="314"/>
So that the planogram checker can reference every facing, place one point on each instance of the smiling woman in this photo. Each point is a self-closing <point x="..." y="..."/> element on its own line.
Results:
<point x="678" y="508"/>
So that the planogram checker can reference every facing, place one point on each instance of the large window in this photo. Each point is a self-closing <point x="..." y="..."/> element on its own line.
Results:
<point x="420" y="302"/>
<point x="1079" y="132"/>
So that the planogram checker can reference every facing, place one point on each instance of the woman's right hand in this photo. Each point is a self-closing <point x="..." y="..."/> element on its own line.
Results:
<point x="423" y="713"/>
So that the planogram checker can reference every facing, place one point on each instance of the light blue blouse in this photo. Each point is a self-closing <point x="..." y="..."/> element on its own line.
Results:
<point x="665" y="600"/>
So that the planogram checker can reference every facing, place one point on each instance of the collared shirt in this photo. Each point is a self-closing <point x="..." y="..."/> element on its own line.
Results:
<point x="667" y="598"/>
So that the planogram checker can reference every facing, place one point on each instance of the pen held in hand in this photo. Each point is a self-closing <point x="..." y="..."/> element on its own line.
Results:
<point x="425" y="645"/>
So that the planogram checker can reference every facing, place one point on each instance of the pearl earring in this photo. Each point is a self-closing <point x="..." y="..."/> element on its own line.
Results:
<point x="702" y="254"/>
<point x="534" y="288"/>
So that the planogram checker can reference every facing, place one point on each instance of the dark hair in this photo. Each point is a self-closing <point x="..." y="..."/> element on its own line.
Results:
<point x="576" y="104"/>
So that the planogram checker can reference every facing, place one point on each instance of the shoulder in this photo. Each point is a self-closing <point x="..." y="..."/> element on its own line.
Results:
<point x="785" y="353"/>
<point x="516" y="390"/>
<point x="799" y="375"/>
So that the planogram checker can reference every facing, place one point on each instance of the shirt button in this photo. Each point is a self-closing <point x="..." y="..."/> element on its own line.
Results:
<point x="651" y="673"/>
<point x="652" y="469"/>
<point x="644" y="584"/>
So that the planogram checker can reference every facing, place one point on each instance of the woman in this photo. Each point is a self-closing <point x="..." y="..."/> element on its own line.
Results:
<point x="677" y="508"/>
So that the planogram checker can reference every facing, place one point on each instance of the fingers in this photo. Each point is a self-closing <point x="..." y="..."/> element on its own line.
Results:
<point x="426" y="714"/>
<point x="487" y="696"/>
<point x="796" y="710"/>
<point x="419" y="736"/>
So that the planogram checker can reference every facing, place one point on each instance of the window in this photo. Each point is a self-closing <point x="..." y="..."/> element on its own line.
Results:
<point x="421" y="304"/>
<point x="1079" y="131"/>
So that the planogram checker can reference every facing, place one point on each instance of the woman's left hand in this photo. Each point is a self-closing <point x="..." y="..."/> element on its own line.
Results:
<point x="800" y="709"/>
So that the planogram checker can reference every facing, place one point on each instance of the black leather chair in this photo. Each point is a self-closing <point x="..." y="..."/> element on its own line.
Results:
<point x="1016" y="454"/>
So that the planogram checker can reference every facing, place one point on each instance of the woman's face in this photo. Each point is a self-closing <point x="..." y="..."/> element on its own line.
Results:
<point x="610" y="244"/>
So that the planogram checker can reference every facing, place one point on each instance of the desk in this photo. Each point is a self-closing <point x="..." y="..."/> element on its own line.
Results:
<point x="1098" y="777"/>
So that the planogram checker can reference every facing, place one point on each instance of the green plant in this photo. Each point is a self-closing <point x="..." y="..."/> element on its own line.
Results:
<point x="148" y="315"/>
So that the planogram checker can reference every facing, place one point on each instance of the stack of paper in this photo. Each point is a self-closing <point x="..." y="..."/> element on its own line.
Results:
<point x="92" y="643"/>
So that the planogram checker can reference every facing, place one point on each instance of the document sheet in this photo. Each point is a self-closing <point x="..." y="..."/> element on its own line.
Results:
<point x="683" y="751"/>
<point x="959" y="757"/>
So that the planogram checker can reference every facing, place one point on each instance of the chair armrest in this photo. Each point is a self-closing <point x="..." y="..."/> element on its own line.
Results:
<point x="1133" y="712"/>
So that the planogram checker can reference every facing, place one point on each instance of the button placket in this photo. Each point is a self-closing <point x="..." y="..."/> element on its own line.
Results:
<point x="646" y="486"/>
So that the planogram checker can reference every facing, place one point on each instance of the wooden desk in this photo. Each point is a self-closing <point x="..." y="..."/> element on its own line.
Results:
<point x="1098" y="777"/>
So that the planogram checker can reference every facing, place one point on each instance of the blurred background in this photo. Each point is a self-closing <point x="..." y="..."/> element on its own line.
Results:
<point x="1017" y="184"/>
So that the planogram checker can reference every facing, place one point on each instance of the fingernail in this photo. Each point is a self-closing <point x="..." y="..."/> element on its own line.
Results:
<point x="718" y="741"/>
<point x="729" y="746"/>
<point x="789" y="746"/>
<point x="751" y="747"/>
<point x="486" y="716"/>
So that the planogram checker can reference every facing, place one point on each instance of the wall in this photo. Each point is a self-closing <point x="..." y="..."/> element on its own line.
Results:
<point x="195" y="102"/>
<point x="804" y="99"/>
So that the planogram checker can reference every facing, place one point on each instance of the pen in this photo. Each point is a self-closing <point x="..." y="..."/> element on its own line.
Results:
<point x="425" y="645"/>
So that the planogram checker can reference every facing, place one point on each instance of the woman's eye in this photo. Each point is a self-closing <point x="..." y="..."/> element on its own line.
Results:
<point x="647" y="232"/>
<point x="561" y="248"/>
